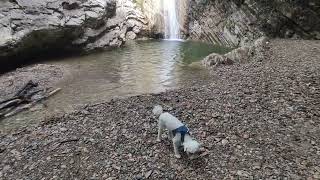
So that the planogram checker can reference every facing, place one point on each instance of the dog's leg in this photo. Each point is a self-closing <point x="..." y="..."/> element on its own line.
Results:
<point x="170" y="135"/>
<point x="176" y="143"/>
<point x="160" y="130"/>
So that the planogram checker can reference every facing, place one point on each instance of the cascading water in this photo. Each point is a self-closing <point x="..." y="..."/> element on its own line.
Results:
<point x="172" y="27"/>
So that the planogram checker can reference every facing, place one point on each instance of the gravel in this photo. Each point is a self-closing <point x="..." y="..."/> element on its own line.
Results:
<point x="255" y="120"/>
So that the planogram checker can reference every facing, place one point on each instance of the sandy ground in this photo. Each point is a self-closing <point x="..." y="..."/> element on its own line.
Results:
<point x="255" y="120"/>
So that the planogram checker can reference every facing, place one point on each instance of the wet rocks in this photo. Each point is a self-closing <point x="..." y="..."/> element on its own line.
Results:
<point x="214" y="60"/>
<point x="243" y="54"/>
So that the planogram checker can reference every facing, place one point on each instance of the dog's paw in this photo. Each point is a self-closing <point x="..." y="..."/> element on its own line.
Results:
<point x="178" y="156"/>
<point x="158" y="140"/>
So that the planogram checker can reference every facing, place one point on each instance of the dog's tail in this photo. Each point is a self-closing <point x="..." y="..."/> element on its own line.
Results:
<point x="157" y="110"/>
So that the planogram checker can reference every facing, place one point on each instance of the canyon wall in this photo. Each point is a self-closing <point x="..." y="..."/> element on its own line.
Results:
<point x="240" y="22"/>
<point x="31" y="28"/>
<point x="154" y="12"/>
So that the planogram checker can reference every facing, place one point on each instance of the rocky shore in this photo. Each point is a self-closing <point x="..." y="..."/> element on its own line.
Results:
<point x="255" y="120"/>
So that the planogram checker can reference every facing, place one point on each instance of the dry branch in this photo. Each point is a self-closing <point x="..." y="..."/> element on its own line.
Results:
<point x="24" y="99"/>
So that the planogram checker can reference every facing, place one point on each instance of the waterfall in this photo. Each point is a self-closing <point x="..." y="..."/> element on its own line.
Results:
<point x="171" y="21"/>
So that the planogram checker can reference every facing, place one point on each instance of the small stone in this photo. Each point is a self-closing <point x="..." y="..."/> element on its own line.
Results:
<point x="31" y="167"/>
<point x="138" y="177"/>
<point x="224" y="142"/>
<point x="63" y="166"/>
<point x="148" y="174"/>
<point x="313" y="142"/>
<point x="316" y="176"/>
<point x="256" y="166"/>
<point x="242" y="173"/>
<point x="95" y="176"/>
<point x="246" y="136"/>
<point x="116" y="167"/>
<point x="63" y="129"/>
<point x="5" y="168"/>
<point x="85" y="112"/>
<point x="72" y="161"/>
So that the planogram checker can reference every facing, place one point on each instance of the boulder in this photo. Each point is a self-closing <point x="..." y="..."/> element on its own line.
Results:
<point x="131" y="35"/>
<point x="246" y="53"/>
<point x="214" y="60"/>
<point x="241" y="54"/>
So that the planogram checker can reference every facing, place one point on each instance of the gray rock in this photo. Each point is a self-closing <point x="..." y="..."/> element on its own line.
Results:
<point x="28" y="28"/>
<point x="224" y="142"/>
<point x="241" y="54"/>
<point x="238" y="23"/>
<point x="131" y="35"/>
<point x="214" y="60"/>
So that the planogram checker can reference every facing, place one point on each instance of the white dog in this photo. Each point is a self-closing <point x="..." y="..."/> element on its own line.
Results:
<point x="178" y="132"/>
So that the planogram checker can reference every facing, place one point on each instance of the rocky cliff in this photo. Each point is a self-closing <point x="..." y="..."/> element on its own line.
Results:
<point x="154" y="11"/>
<point x="29" y="28"/>
<point x="240" y="22"/>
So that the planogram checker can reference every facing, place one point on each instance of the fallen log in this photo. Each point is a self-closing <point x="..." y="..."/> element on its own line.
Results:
<point x="5" y="111"/>
<point x="20" y="94"/>
<point x="11" y="103"/>
<point x="26" y="88"/>
<point x="27" y="97"/>
<point x="33" y="103"/>
<point x="54" y="92"/>
<point x="7" y="100"/>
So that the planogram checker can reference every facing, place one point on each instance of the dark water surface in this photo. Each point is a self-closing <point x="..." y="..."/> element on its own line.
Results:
<point x="138" y="68"/>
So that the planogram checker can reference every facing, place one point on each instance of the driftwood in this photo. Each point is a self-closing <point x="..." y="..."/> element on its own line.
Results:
<point x="26" y="88"/>
<point x="21" y="93"/>
<point x="27" y="97"/>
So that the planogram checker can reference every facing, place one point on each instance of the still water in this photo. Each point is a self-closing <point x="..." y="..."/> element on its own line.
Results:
<point x="140" y="67"/>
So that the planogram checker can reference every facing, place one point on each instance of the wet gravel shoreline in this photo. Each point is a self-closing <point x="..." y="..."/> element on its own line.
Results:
<point x="255" y="120"/>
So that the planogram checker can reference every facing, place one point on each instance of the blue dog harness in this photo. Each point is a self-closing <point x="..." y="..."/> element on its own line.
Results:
<point x="183" y="130"/>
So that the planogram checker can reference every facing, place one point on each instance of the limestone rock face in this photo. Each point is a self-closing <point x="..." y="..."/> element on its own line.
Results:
<point x="155" y="14"/>
<point x="153" y="11"/>
<point x="238" y="22"/>
<point x="242" y="54"/>
<point x="30" y="27"/>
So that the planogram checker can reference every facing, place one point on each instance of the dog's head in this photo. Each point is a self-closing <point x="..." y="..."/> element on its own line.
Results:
<point x="191" y="146"/>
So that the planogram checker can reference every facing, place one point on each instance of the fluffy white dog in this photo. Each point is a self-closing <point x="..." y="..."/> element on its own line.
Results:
<point x="178" y="132"/>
